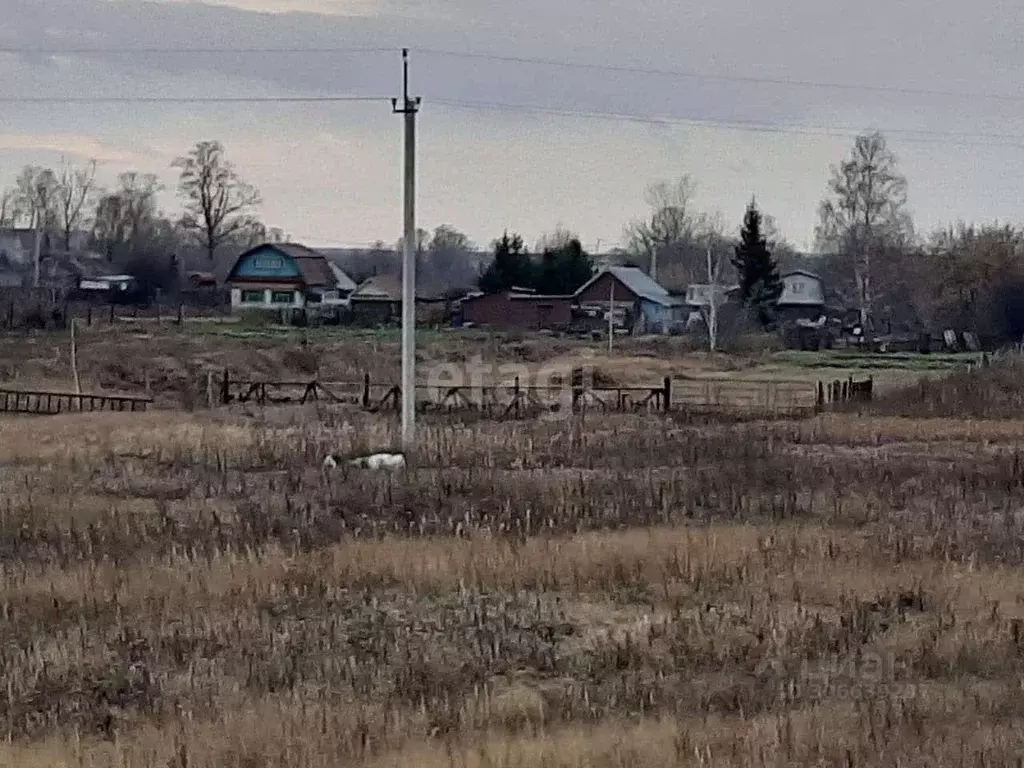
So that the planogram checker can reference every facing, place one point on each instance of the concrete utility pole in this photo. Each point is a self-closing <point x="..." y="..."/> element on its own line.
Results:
<point x="409" y="109"/>
<point x="611" y="315"/>
<point x="713" y="302"/>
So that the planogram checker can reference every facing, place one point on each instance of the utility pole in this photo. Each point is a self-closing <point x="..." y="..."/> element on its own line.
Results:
<point x="712" y="302"/>
<point x="611" y="315"/>
<point x="409" y="109"/>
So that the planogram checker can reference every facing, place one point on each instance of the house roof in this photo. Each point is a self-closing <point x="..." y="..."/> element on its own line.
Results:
<point x="381" y="287"/>
<point x="388" y="287"/>
<point x="639" y="282"/>
<point x="804" y="272"/>
<point x="697" y="294"/>
<point x="517" y="294"/>
<point x="316" y="269"/>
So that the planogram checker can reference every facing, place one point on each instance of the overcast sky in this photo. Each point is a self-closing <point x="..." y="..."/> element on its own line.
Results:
<point x="330" y="173"/>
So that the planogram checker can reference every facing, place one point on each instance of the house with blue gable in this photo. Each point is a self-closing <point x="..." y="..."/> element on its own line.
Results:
<point x="276" y="276"/>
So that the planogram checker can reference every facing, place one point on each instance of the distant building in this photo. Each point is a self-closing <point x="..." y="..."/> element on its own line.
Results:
<point x="276" y="276"/>
<point x="107" y="283"/>
<point x="698" y="295"/>
<point x="518" y="309"/>
<point x="802" y="297"/>
<point x="651" y="306"/>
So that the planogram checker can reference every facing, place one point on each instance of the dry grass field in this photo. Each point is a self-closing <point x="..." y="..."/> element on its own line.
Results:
<point x="191" y="590"/>
<point x="174" y="362"/>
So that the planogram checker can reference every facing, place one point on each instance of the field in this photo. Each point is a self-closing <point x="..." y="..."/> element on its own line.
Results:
<point x="189" y="589"/>
<point x="173" y="363"/>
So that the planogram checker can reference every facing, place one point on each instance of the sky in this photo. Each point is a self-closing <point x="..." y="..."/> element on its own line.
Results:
<point x="746" y="99"/>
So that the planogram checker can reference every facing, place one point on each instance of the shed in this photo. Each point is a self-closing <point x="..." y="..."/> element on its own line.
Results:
<point x="286" y="276"/>
<point x="652" y="305"/>
<point x="516" y="309"/>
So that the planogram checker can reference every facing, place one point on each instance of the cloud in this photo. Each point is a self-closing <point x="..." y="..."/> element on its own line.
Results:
<point x="332" y="171"/>
<point x="73" y="145"/>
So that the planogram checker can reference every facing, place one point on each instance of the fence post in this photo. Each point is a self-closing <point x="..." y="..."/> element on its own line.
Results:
<point x="225" y="388"/>
<point x="88" y="316"/>
<point x="667" y="404"/>
<point x="366" y="389"/>
<point x="111" y="314"/>
<point x="577" y="386"/>
<point x="821" y="395"/>
<point x="871" y="387"/>
<point x="181" y="313"/>
<point x="209" y="389"/>
<point x="515" y="396"/>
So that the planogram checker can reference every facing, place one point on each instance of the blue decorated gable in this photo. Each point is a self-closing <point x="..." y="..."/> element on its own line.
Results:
<point x="266" y="263"/>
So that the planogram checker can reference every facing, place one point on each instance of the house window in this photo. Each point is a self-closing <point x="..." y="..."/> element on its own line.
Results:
<point x="282" y="297"/>
<point x="252" y="297"/>
<point x="313" y="298"/>
<point x="267" y="261"/>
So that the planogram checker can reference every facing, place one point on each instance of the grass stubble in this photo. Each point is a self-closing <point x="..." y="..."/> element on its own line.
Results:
<point x="184" y="591"/>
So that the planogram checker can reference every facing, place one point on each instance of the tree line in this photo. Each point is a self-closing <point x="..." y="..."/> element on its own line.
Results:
<point x="868" y="253"/>
<point x="126" y="223"/>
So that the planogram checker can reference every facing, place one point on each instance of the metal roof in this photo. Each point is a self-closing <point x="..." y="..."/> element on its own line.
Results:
<point x="316" y="269"/>
<point x="637" y="281"/>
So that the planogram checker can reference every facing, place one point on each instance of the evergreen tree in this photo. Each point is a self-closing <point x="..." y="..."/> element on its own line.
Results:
<point x="564" y="269"/>
<point x="760" y="285"/>
<point x="511" y="266"/>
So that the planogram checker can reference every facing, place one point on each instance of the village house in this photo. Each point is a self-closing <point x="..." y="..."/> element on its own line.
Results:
<point x="276" y="276"/>
<point x="517" y="308"/>
<point x="378" y="301"/>
<point x="652" y="308"/>
<point x="802" y="297"/>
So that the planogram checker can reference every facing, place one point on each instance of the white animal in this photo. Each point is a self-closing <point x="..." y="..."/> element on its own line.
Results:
<point x="388" y="461"/>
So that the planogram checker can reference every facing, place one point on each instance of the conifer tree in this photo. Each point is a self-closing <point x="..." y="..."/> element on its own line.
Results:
<point x="760" y="285"/>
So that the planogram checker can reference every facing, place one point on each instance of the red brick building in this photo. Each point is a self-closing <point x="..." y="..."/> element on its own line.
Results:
<point x="519" y="310"/>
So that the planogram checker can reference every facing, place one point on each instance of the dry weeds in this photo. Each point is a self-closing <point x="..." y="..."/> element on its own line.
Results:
<point x="183" y="591"/>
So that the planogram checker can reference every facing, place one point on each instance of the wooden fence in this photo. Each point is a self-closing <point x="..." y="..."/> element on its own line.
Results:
<point x="44" y="315"/>
<point x="52" y="402"/>
<point x="768" y="398"/>
<point x="506" y="399"/>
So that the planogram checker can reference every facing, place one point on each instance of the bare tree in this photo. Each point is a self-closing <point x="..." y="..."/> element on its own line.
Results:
<point x="865" y="213"/>
<point x="218" y="203"/>
<point x="717" y="245"/>
<point x="450" y="263"/>
<point x="252" y="232"/>
<point x="126" y="217"/>
<point x="9" y="209"/>
<point x="36" y="195"/>
<point x="670" y="234"/>
<point x="555" y="241"/>
<point x="73" y="193"/>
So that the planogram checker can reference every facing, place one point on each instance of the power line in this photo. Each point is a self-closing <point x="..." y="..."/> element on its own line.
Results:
<point x="550" y="62"/>
<point x="935" y="137"/>
<point x="40" y="51"/>
<point x="692" y="74"/>
<point x="184" y="99"/>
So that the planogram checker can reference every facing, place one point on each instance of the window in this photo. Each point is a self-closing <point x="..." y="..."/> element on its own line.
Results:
<point x="267" y="261"/>
<point x="282" y="297"/>
<point x="252" y="297"/>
